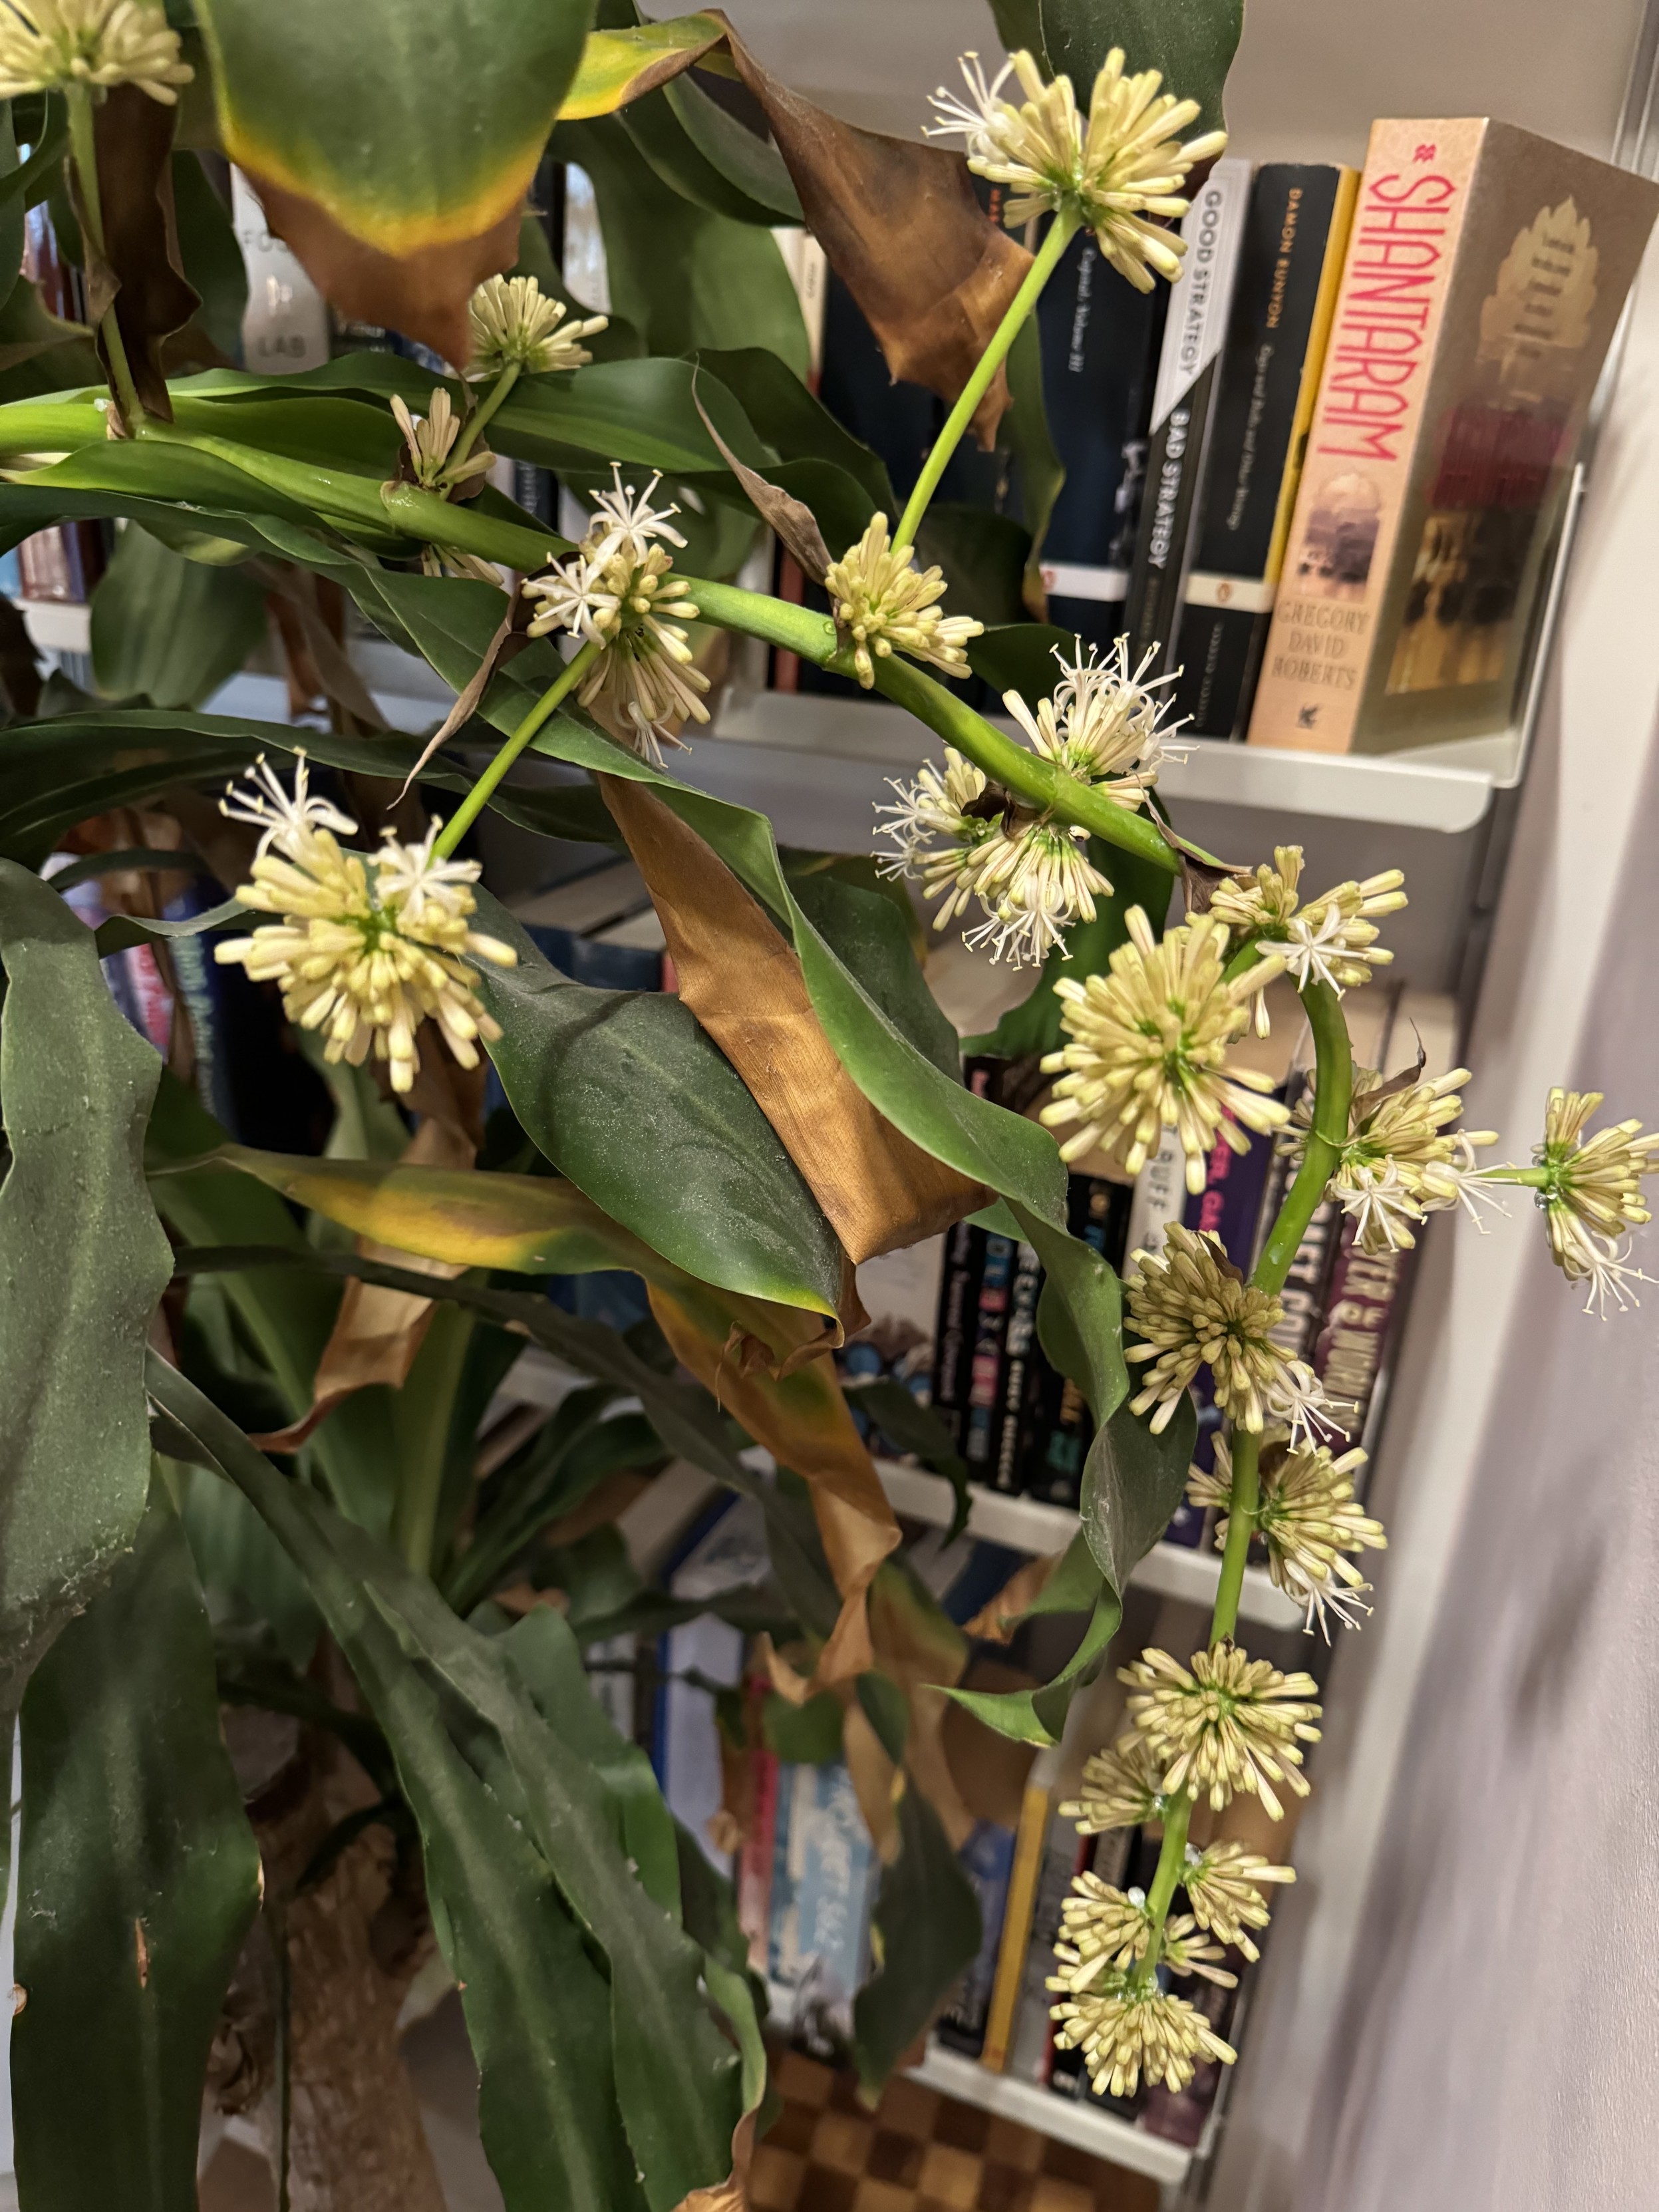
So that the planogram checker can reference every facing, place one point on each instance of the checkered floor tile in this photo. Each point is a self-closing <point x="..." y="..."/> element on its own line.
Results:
<point x="920" y="2152"/>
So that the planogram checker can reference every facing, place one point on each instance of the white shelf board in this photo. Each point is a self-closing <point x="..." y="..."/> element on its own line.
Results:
<point x="1447" y="787"/>
<point x="1079" y="2122"/>
<point x="1026" y="1524"/>
<point x="57" y="626"/>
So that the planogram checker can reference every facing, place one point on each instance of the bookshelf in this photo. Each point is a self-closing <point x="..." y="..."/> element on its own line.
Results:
<point x="1078" y="2122"/>
<point x="1026" y="1524"/>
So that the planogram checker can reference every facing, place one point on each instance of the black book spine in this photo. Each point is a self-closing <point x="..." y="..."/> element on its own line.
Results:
<point x="953" y="1340"/>
<point x="1290" y="265"/>
<point x="1020" y="1355"/>
<point x="1100" y="340"/>
<point x="1188" y="368"/>
<point x="983" y="1425"/>
<point x="1057" y="1428"/>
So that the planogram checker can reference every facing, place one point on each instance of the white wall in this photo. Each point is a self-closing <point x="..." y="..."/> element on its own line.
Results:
<point x="1310" y="76"/>
<point x="1477" y="1467"/>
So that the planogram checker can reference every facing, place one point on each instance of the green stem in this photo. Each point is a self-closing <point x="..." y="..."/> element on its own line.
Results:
<point x="424" y="1454"/>
<point x="1530" y="1178"/>
<point x="473" y="805"/>
<point x="83" y="146"/>
<point x="1333" y="1081"/>
<point x="1061" y="231"/>
<point x="1040" y="783"/>
<point x="1334" y="1087"/>
<point x="481" y="414"/>
<point x="1241" y="1504"/>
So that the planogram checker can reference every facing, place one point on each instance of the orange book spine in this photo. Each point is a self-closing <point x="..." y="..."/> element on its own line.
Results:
<point x="1412" y="200"/>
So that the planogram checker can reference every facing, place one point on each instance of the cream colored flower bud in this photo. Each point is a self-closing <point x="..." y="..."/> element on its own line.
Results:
<point x="53" y="46"/>
<point x="515" y="326"/>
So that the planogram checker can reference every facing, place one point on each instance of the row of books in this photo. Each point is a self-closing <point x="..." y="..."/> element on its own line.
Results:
<point x="1365" y="390"/>
<point x="1022" y="1427"/>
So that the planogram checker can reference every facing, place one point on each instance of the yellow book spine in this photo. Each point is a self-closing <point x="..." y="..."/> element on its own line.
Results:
<point x="1029" y="1841"/>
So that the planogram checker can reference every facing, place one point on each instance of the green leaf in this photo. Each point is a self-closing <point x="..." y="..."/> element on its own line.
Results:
<point x="687" y="1420"/>
<point x="1133" y="1482"/>
<point x="792" y="420"/>
<point x="138" y="1877"/>
<point x="286" y="1313"/>
<point x="208" y="249"/>
<point x="60" y="770"/>
<point x="1018" y="25"/>
<point x="1020" y="656"/>
<point x="1192" y="42"/>
<point x="724" y="283"/>
<point x="545" y="1652"/>
<point x="929" y="1919"/>
<point x="168" y="629"/>
<point x="703" y="153"/>
<point x="1039" y="1715"/>
<point x="412" y="134"/>
<point x="83" y="1263"/>
<point x="803" y="1735"/>
<point x="627" y="1097"/>
<point x="984" y="556"/>
<point x="11" y="207"/>
<point x="868" y="935"/>
<point x="485" y="1774"/>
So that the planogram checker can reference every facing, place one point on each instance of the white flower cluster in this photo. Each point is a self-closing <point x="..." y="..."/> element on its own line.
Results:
<point x="613" y="593"/>
<point x="1031" y="872"/>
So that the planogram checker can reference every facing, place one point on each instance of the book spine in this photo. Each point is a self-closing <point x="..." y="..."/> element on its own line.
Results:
<point x="1036" y="1810"/>
<point x="987" y="1859"/>
<point x="983" y="1426"/>
<point x="754" y="1884"/>
<point x="201" y="984"/>
<point x="1100" y="340"/>
<point x="1348" y="1354"/>
<point x="1184" y="403"/>
<point x="1296" y="237"/>
<point x="1409" y="217"/>
<point x="958" y="1308"/>
<point x="1160" y="1197"/>
<point x="1058" y="1426"/>
<point x="1020" y="1354"/>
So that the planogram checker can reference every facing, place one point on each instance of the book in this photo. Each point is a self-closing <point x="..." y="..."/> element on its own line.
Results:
<point x="724" y="1549"/>
<point x="1486" y="273"/>
<point x="953" y="1339"/>
<point x="1100" y="340"/>
<point x="982" y="1428"/>
<point x="1059" y="1427"/>
<point x="987" y="1859"/>
<point x="754" y="1857"/>
<point x="823" y="1877"/>
<point x="1183" y="408"/>
<point x="285" y="328"/>
<point x="1296" y="233"/>
<point x="1020" y="1354"/>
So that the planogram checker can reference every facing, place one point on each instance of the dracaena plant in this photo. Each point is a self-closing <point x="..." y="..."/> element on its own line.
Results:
<point x="291" y="1358"/>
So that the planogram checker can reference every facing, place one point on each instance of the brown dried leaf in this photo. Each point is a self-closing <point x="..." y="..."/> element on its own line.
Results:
<point x="142" y="271"/>
<point x="744" y="983"/>
<point x="802" y="1420"/>
<point x="793" y="522"/>
<point x="1000" y="1616"/>
<point x="730" y="2194"/>
<point x="467" y="704"/>
<point x="423" y="293"/>
<point x="904" y="230"/>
